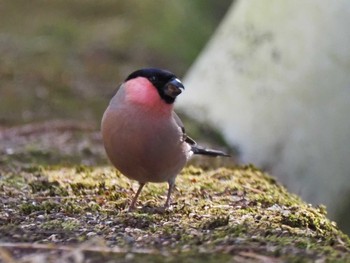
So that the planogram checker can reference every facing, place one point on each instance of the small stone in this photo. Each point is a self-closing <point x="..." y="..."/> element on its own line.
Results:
<point x="53" y="238"/>
<point x="9" y="151"/>
<point x="91" y="234"/>
<point x="40" y="217"/>
<point x="129" y="256"/>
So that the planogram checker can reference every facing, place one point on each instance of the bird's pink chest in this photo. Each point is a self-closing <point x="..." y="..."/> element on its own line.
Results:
<point x="143" y="136"/>
<point x="140" y="92"/>
<point x="143" y="147"/>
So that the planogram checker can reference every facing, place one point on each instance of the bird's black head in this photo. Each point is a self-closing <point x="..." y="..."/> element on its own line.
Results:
<point x="166" y="83"/>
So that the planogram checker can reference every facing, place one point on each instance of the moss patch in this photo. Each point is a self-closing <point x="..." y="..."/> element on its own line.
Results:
<point x="69" y="201"/>
<point x="239" y="211"/>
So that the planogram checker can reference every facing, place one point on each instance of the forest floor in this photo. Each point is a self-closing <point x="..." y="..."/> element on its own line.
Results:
<point x="60" y="199"/>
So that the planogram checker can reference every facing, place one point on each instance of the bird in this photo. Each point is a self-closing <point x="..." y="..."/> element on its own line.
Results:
<point x="142" y="135"/>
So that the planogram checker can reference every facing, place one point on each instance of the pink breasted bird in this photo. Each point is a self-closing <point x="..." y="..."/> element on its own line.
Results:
<point x="143" y="137"/>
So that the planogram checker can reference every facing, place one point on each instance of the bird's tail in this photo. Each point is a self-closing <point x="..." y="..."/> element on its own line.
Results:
<point x="203" y="151"/>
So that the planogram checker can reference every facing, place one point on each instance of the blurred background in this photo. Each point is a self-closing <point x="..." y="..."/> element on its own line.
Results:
<point x="275" y="74"/>
<point x="63" y="59"/>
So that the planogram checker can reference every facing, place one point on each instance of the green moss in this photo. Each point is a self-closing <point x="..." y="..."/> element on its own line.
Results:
<point x="81" y="188"/>
<point x="225" y="211"/>
<point x="46" y="207"/>
<point x="215" y="222"/>
<point x="34" y="169"/>
<point x="13" y="180"/>
<point x="52" y="188"/>
<point x="72" y="208"/>
<point x="59" y="225"/>
<point x="83" y="169"/>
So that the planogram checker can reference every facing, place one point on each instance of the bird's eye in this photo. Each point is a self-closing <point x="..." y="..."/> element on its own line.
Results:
<point x="153" y="78"/>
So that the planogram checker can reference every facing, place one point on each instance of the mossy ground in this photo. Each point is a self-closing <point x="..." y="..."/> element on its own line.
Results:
<point x="55" y="206"/>
<point x="59" y="198"/>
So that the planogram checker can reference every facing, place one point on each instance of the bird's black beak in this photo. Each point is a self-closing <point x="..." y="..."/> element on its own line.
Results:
<point x="173" y="88"/>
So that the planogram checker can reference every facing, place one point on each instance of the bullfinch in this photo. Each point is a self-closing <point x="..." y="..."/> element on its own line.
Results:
<point x="142" y="135"/>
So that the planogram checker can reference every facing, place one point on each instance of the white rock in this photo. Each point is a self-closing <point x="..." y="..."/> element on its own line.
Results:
<point x="275" y="78"/>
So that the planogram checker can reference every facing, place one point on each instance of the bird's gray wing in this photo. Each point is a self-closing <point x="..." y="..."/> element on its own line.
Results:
<point x="185" y="137"/>
<point x="195" y="148"/>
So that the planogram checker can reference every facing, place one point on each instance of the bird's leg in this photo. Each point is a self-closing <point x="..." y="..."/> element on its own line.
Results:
<point x="133" y="202"/>
<point x="171" y="187"/>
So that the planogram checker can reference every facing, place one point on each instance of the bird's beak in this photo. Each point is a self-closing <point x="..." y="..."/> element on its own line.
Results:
<point x="173" y="88"/>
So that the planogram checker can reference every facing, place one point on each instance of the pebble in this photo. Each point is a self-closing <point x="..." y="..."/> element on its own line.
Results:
<point x="91" y="234"/>
<point x="41" y="217"/>
<point x="129" y="256"/>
